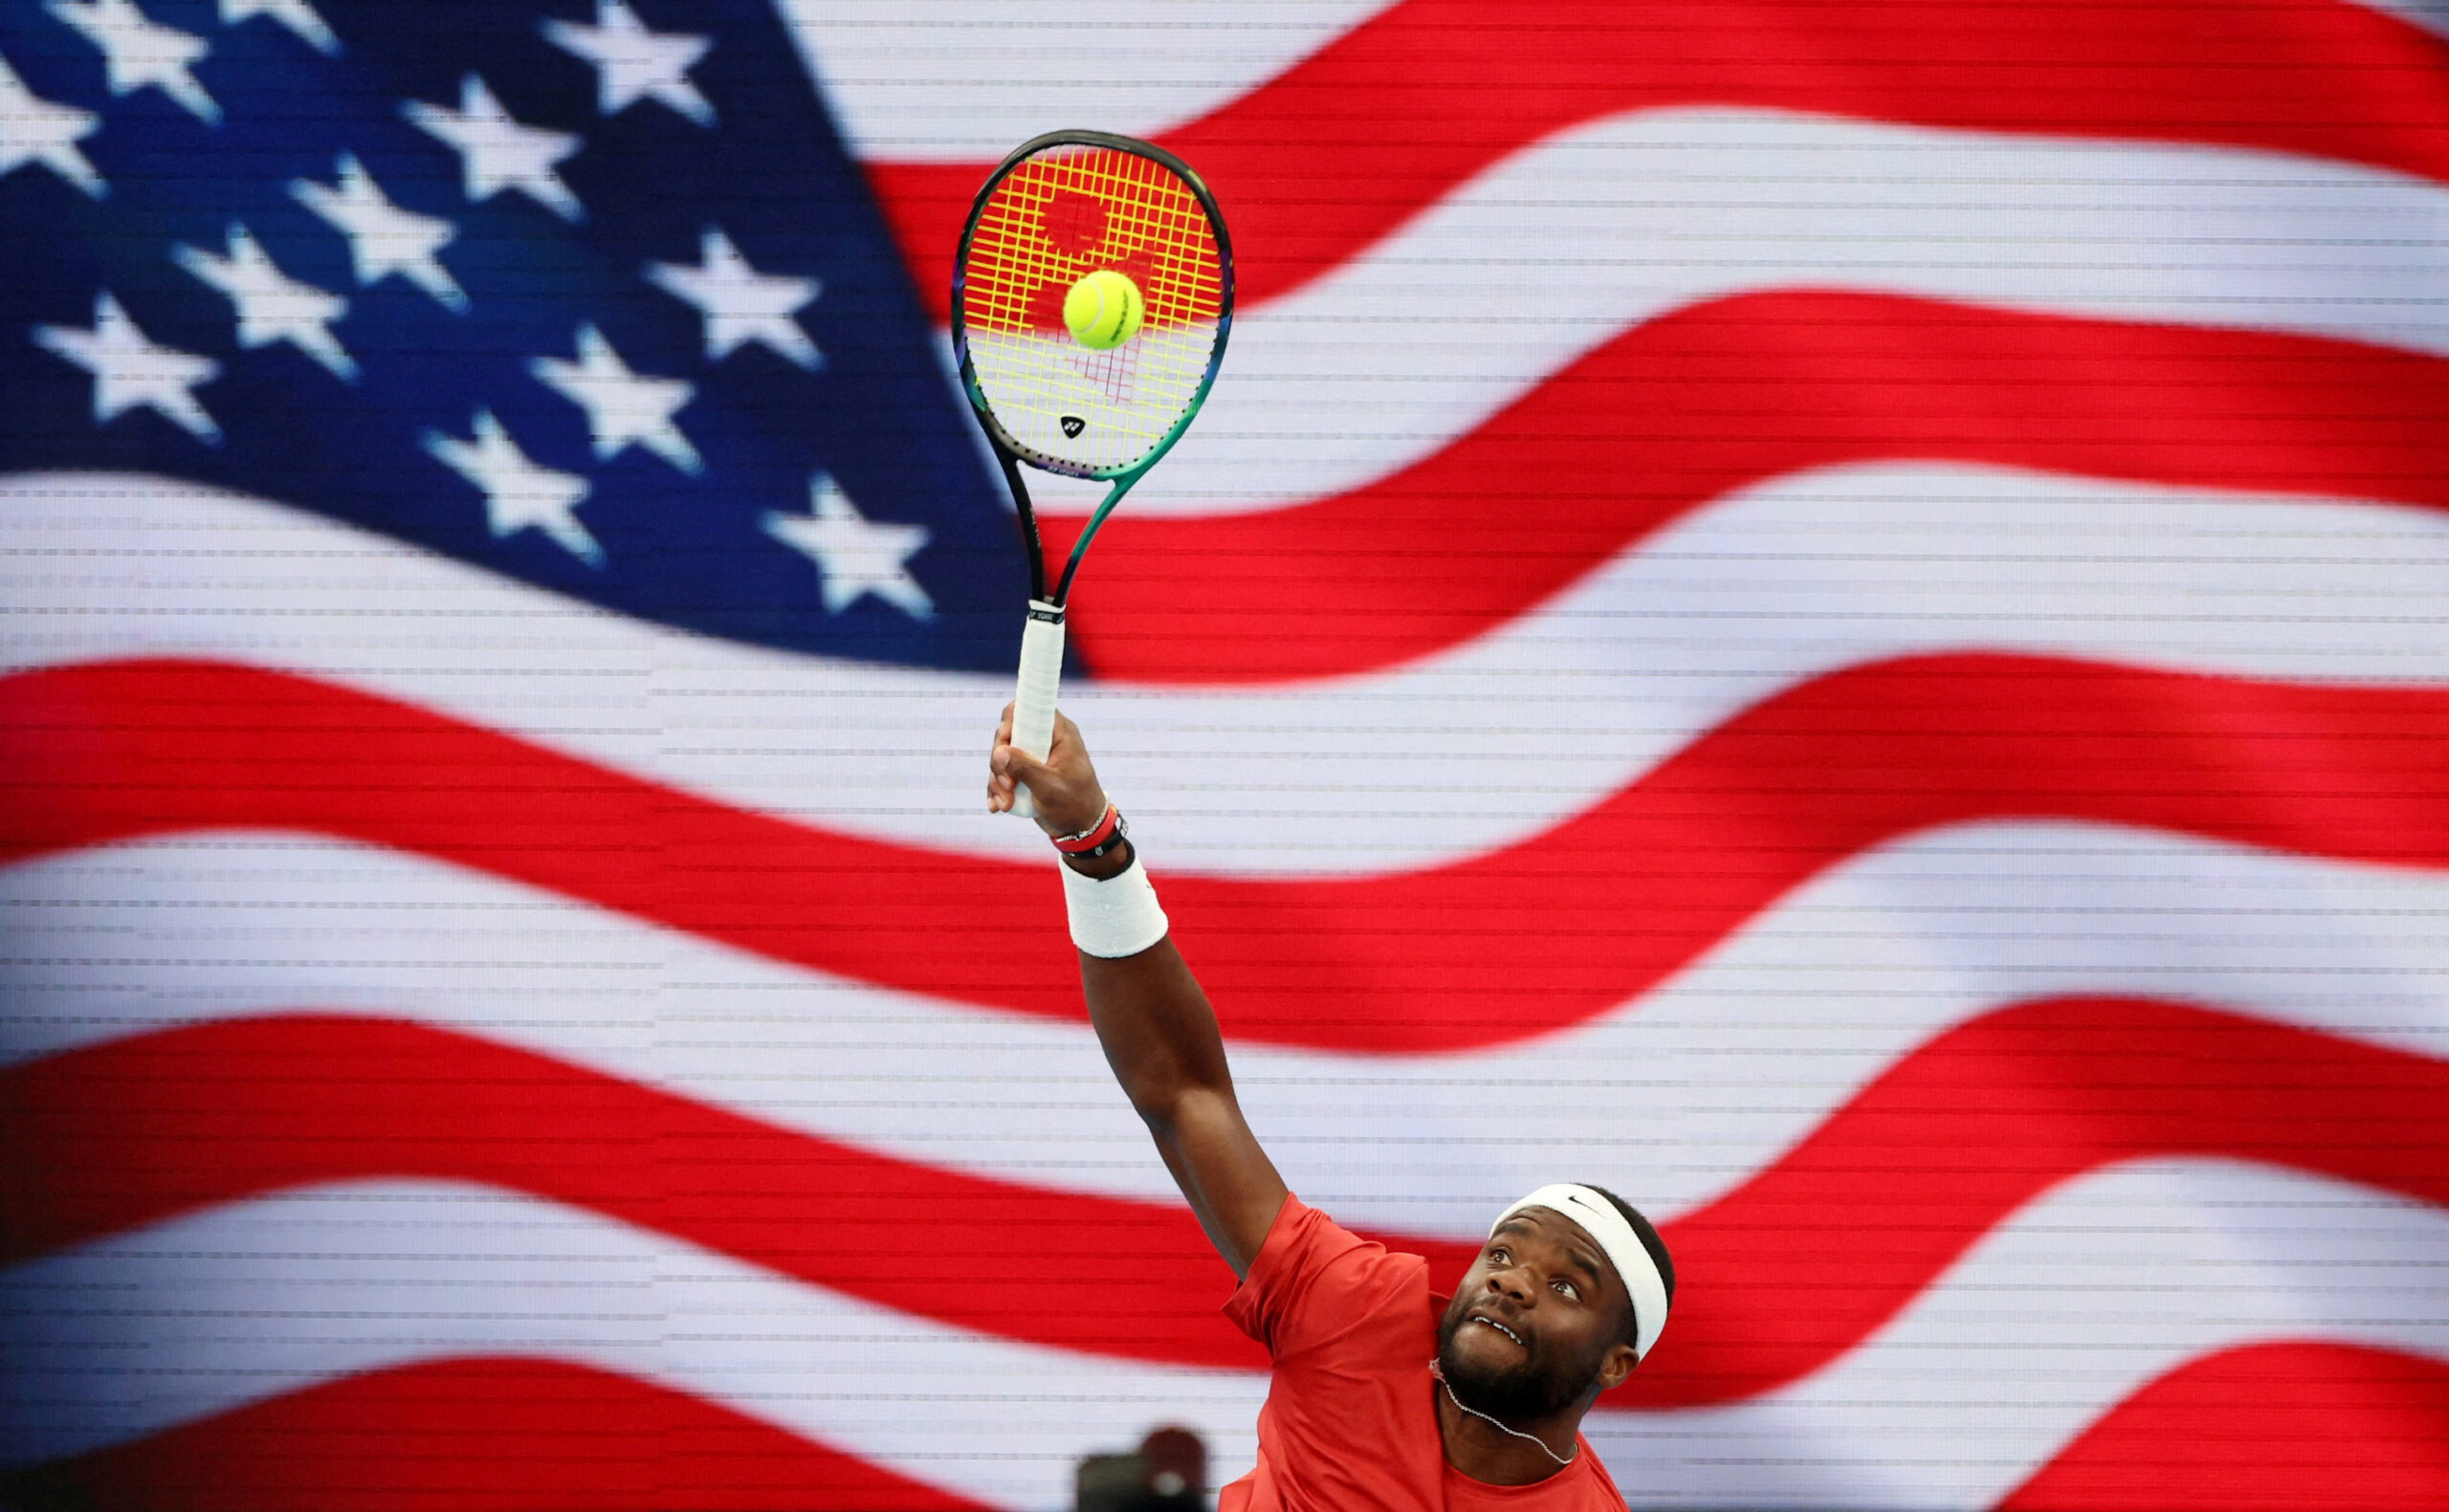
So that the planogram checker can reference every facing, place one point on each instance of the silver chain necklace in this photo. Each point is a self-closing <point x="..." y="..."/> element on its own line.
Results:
<point x="1460" y="1407"/>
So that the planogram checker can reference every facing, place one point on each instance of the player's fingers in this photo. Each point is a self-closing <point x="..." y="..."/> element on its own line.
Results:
<point x="1067" y="748"/>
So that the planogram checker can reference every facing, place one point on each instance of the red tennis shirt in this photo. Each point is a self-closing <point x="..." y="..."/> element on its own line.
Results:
<point x="1350" y="1423"/>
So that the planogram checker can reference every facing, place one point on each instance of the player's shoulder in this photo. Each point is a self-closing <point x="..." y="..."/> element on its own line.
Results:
<point x="1315" y="1278"/>
<point x="1306" y="1238"/>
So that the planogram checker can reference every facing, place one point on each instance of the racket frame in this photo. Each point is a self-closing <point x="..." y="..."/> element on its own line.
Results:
<point x="1042" y="633"/>
<point x="1009" y="453"/>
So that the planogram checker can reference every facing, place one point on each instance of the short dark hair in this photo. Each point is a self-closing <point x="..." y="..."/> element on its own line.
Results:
<point x="1647" y="1233"/>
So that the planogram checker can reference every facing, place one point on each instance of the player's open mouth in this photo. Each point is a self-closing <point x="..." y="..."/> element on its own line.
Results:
<point x="1503" y="1330"/>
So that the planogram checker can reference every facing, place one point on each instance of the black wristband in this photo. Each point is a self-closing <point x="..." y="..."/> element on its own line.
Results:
<point x="1130" y="858"/>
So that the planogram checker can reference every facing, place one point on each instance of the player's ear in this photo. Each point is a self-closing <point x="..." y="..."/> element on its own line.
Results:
<point x="1618" y="1364"/>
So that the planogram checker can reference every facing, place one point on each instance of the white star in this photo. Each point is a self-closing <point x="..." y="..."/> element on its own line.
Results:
<point x="383" y="238"/>
<point x="517" y="493"/>
<point x="129" y="370"/>
<point x="632" y="63"/>
<point x="36" y="130"/>
<point x="496" y="153"/>
<point x="854" y="555"/>
<point x="621" y="407"/>
<point x="272" y="306"/>
<point x="139" y="52"/>
<point x="740" y="304"/>
<point x="299" y="16"/>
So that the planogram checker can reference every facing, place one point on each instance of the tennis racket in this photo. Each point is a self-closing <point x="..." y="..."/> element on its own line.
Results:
<point x="1103" y="398"/>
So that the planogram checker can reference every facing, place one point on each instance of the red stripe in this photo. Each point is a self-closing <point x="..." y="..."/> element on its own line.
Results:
<point x="1685" y="409"/>
<point x="2274" y="1427"/>
<point x="1777" y="1279"/>
<point x="474" y="1435"/>
<point x="1802" y="1262"/>
<point x="1345" y="146"/>
<point x="121" y="1134"/>
<point x="1484" y="951"/>
<point x="2271" y="1428"/>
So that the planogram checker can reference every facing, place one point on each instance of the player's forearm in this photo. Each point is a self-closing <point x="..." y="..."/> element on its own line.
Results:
<point x="1154" y="1022"/>
<point x="1158" y="1033"/>
<point x="1160" y="1037"/>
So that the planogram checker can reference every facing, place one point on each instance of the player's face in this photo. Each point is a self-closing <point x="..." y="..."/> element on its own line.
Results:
<point x="1534" y="1322"/>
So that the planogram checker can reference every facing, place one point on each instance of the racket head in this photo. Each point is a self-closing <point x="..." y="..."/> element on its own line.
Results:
<point x="1061" y="206"/>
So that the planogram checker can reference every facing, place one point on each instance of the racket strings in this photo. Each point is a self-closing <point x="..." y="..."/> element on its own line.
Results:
<point x="1052" y="219"/>
<point x="1143" y="207"/>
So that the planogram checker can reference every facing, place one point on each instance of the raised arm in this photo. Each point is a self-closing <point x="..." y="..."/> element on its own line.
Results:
<point x="1158" y="1031"/>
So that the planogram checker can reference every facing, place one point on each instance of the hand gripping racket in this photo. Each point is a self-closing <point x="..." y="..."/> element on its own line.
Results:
<point x="1100" y="389"/>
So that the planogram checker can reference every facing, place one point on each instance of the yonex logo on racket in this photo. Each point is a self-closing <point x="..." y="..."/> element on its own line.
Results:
<point x="1072" y="426"/>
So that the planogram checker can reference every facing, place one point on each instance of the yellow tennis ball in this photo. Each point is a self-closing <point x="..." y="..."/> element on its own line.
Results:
<point x="1104" y="310"/>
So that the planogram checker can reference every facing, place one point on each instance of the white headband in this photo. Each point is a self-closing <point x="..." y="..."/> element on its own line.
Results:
<point x="1599" y="1220"/>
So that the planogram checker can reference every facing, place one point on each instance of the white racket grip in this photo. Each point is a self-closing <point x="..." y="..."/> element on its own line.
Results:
<point x="1041" y="674"/>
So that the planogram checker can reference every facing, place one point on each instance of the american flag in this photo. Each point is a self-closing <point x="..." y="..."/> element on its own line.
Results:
<point x="1830" y="615"/>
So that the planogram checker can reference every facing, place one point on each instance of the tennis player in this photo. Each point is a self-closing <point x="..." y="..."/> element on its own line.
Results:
<point x="1384" y="1395"/>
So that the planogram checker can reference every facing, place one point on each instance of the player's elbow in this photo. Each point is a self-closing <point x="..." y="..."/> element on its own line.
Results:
<point x="1185" y="1109"/>
<point x="1169" y="1083"/>
<point x="1161" y="1101"/>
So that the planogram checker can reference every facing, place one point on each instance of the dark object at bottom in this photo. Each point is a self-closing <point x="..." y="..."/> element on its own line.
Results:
<point x="1167" y="1473"/>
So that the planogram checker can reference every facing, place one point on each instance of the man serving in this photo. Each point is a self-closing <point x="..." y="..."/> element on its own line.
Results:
<point x="1383" y="1395"/>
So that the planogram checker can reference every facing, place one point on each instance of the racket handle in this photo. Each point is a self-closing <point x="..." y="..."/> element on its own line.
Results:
<point x="1033" y="706"/>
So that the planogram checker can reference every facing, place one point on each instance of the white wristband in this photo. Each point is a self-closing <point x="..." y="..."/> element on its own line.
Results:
<point x="1116" y="917"/>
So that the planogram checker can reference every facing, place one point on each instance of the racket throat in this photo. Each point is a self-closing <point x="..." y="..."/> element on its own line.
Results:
<point x="1022" y="506"/>
<point x="1089" y="533"/>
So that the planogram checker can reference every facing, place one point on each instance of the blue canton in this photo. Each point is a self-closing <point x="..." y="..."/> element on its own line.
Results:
<point x="588" y="292"/>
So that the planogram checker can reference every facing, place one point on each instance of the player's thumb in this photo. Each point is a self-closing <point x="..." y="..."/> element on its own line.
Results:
<point x="1012" y="761"/>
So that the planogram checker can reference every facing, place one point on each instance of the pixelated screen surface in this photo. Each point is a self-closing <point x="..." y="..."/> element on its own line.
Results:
<point x="1829" y="616"/>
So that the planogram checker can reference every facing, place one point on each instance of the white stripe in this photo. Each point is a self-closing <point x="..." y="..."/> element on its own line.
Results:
<point x="1561" y="248"/>
<point x="2082" y="1300"/>
<point x="1674" y="1098"/>
<point x="1499" y="740"/>
<point x="947" y="81"/>
<point x="914" y="82"/>
<point x="196" y="1315"/>
<point x="2124" y="1275"/>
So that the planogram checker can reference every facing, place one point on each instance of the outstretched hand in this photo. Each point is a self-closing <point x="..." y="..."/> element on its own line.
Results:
<point x="1063" y="786"/>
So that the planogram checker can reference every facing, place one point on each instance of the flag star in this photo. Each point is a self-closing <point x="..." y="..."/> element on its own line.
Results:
<point x="36" y="130"/>
<point x="519" y="494"/>
<point x="299" y="16"/>
<point x="496" y="153"/>
<point x="632" y="63"/>
<point x="621" y="407"/>
<point x="137" y="52"/>
<point x="740" y="304"/>
<point x="272" y="306"/>
<point x="129" y="370"/>
<point x="383" y="238"/>
<point x="853" y="554"/>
